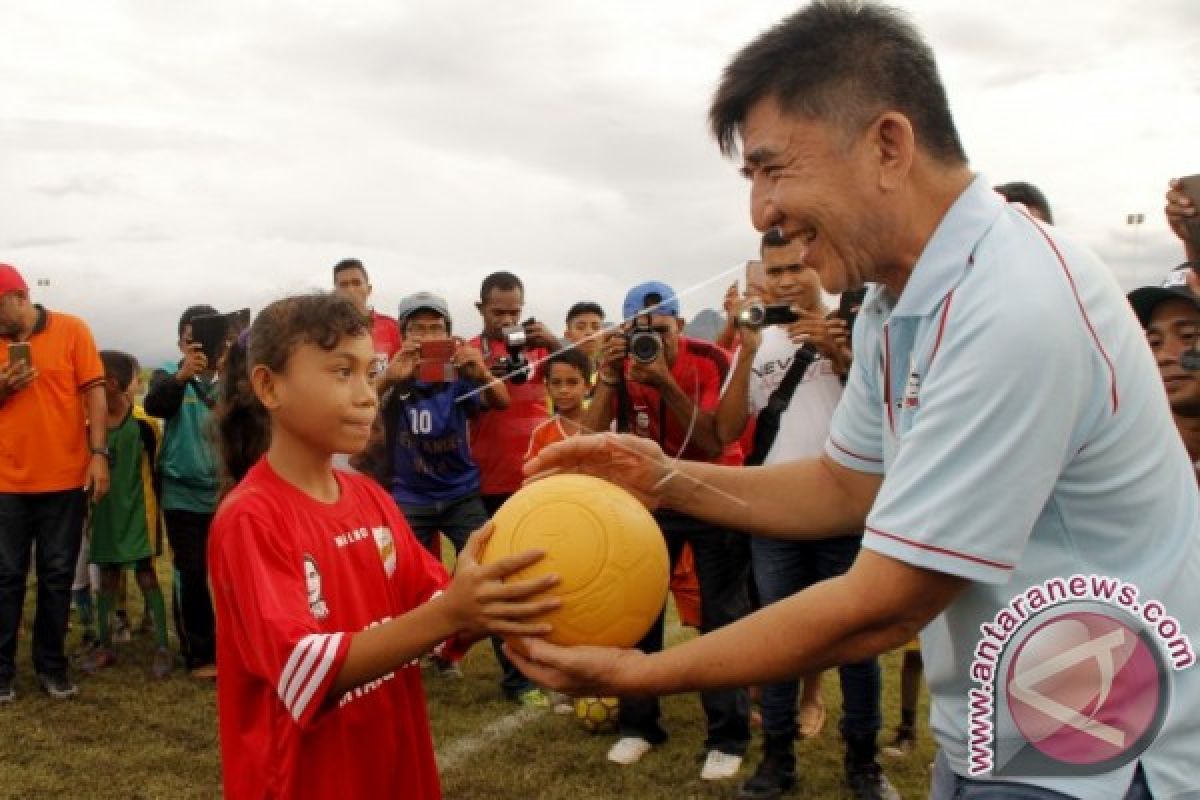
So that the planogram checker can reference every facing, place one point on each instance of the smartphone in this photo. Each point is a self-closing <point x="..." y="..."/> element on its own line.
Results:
<point x="436" y="357"/>
<point x="1191" y="187"/>
<point x="211" y="332"/>
<point x="756" y="278"/>
<point x="20" y="351"/>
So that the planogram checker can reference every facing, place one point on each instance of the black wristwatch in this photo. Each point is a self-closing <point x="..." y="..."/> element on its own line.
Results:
<point x="101" y="451"/>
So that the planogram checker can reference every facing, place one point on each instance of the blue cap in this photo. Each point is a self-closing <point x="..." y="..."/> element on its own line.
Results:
<point x="635" y="300"/>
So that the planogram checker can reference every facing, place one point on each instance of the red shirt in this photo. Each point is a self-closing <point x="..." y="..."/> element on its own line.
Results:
<point x="700" y="370"/>
<point x="499" y="439"/>
<point x="293" y="581"/>
<point x="385" y="333"/>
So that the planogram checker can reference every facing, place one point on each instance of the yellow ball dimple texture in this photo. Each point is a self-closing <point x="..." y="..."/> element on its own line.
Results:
<point x="606" y="548"/>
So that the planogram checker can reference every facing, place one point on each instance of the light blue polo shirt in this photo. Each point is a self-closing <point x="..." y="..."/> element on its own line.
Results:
<point x="1011" y="402"/>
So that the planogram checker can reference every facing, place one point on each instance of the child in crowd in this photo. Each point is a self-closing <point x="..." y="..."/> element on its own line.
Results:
<point x="568" y="381"/>
<point x="124" y="522"/>
<point x="325" y="600"/>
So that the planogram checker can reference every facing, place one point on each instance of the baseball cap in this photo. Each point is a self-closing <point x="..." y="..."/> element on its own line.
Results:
<point x="635" y="300"/>
<point x="11" y="280"/>
<point x="1173" y="287"/>
<point x="422" y="301"/>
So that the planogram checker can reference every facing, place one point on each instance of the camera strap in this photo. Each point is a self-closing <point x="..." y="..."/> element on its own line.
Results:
<point x="769" y="418"/>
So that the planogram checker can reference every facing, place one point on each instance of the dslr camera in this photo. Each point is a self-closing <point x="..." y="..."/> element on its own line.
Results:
<point x="514" y="367"/>
<point x="758" y="315"/>
<point x="642" y="341"/>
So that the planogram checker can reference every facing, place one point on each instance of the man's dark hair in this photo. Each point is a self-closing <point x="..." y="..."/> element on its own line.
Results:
<point x="843" y="62"/>
<point x="191" y="312"/>
<point x="573" y="357"/>
<point x="586" y="307"/>
<point x="349" y="263"/>
<point x="119" y="366"/>
<point x="1027" y="195"/>
<point x="504" y="281"/>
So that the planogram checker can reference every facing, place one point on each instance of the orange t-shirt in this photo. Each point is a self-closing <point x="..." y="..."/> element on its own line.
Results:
<point x="546" y="434"/>
<point x="43" y="430"/>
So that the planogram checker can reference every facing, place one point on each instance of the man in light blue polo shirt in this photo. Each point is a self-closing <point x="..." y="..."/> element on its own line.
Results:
<point x="1003" y="439"/>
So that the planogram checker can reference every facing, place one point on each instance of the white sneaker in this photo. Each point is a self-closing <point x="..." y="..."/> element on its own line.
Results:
<point x="628" y="750"/>
<point x="719" y="766"/>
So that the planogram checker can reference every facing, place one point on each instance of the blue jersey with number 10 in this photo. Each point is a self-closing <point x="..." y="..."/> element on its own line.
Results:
<point x="427" y="431"/>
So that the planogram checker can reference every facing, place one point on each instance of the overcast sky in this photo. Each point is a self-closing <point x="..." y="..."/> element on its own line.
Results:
<point x="157" y="154"/>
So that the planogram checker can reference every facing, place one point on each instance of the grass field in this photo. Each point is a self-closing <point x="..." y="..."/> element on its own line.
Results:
<point x="127" y="736"/>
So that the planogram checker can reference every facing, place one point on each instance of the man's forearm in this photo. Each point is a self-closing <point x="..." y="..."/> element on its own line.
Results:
<point x="733" y="411"/>
<point x="809" y="499"/>
<point x="598" y="416"/>
<point x="165" y="396"/>
<point x="843" y="620"/>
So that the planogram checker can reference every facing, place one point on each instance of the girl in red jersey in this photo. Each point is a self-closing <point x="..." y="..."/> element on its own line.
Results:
<point x="324" y="599"/>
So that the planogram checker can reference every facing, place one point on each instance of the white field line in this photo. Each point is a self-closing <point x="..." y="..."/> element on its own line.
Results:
<point x="457" y="751"/>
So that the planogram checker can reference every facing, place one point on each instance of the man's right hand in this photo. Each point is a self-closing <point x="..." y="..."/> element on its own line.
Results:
<point x="634" y="463"/>
<point x="751" y="338"/>
<point x="194" y="363"/>
<point x="404" y="364"/>
<point x="14" y="378"/>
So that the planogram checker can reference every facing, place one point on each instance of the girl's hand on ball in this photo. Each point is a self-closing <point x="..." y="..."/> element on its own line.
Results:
<point x="481" y="603"/>
<point x="634" y="463"/>
<point x="576" y="671"/>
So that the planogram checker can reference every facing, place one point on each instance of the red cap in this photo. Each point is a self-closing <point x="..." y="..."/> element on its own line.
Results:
<point x="11" y="280"/>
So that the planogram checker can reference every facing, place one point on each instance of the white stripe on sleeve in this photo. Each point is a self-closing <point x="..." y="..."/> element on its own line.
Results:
<point x="306" y="653"/>
<point x="317" y="677"/>
<point x="289" y="668"/>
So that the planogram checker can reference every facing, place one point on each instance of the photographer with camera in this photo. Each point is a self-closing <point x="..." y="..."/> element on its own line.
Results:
<point x="183" y="395"/>
<point x="512" y="351"/>
<point x="788" y="371"/>
<point x="664" y="386"/>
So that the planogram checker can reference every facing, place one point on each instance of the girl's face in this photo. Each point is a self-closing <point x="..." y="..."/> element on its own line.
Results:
<point x="566" y="386"/>
<point x="324" y="398"/>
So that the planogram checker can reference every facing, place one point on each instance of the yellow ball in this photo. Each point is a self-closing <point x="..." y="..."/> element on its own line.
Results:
<point x="597" y="714"/>
<point x="606" y="548"/>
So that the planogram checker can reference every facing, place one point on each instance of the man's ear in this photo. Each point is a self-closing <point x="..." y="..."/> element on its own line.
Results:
<point x="894" y="145"/>
<point x="479" y="306"/>
<point x="681" y="322"/>
<point x="265" y="386"/>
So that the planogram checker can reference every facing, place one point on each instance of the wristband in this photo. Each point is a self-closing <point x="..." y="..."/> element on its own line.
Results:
<point x="100" y="451"/>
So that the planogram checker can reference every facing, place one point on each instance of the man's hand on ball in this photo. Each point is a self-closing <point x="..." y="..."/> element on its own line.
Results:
<point x="482" y="603"/>
<point x="577" y="671"/>
<point x="634" y="463"/>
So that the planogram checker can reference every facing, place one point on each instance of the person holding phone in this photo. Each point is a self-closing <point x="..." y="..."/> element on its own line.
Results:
<point x="51" y="460"/>
<point x="426" y="407"/>
<point x="183" y="394"/>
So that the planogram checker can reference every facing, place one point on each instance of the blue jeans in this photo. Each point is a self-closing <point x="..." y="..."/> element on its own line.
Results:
<point x="948" y="785"/>
<point x="456" y="519"/>
<point x="53" y="521"/>
<point x="782" y="568"/>
<point x="721" y="565"/>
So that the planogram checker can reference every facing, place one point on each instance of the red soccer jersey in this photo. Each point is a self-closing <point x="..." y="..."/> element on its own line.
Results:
<point x="385" y="334"/>
<point x="700" y="370"/>
<point x="499" y="439"/>
<point x="293" y="581"/>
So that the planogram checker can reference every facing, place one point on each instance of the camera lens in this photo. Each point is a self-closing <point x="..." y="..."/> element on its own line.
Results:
<point x="753" y="315"/>
<point x="644" y="347"/>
